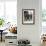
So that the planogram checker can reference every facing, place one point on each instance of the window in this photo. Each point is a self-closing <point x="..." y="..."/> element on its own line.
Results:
<point x="8" y="11"/>
<point x="44" y="12"/>
<point x="43" y="16"/>
<point x="11" y="11"/>
<point x="1" y="9"/>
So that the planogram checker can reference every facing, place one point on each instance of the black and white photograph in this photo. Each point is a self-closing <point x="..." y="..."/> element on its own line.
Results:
<point x="28" y="16"/>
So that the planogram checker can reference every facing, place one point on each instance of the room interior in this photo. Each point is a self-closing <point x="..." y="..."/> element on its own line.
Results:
<point x="22" y="22"/>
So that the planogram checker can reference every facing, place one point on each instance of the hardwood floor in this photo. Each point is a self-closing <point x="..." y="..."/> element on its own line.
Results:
<point x="2" y="43"/>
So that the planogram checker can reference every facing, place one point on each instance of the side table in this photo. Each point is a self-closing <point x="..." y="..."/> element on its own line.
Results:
<point x="1" y="34"/>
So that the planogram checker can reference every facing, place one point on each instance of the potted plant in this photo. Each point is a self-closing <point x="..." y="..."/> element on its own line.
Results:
<point x="1" y="22"/>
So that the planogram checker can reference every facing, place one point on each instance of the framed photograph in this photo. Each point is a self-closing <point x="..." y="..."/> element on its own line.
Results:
<point x="28" y="16"/>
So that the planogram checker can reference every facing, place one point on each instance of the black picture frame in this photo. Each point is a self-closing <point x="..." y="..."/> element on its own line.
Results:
<point x="28" y="16"/>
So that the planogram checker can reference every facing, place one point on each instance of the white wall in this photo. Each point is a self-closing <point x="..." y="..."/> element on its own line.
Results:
<point x="31" y="32"/>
